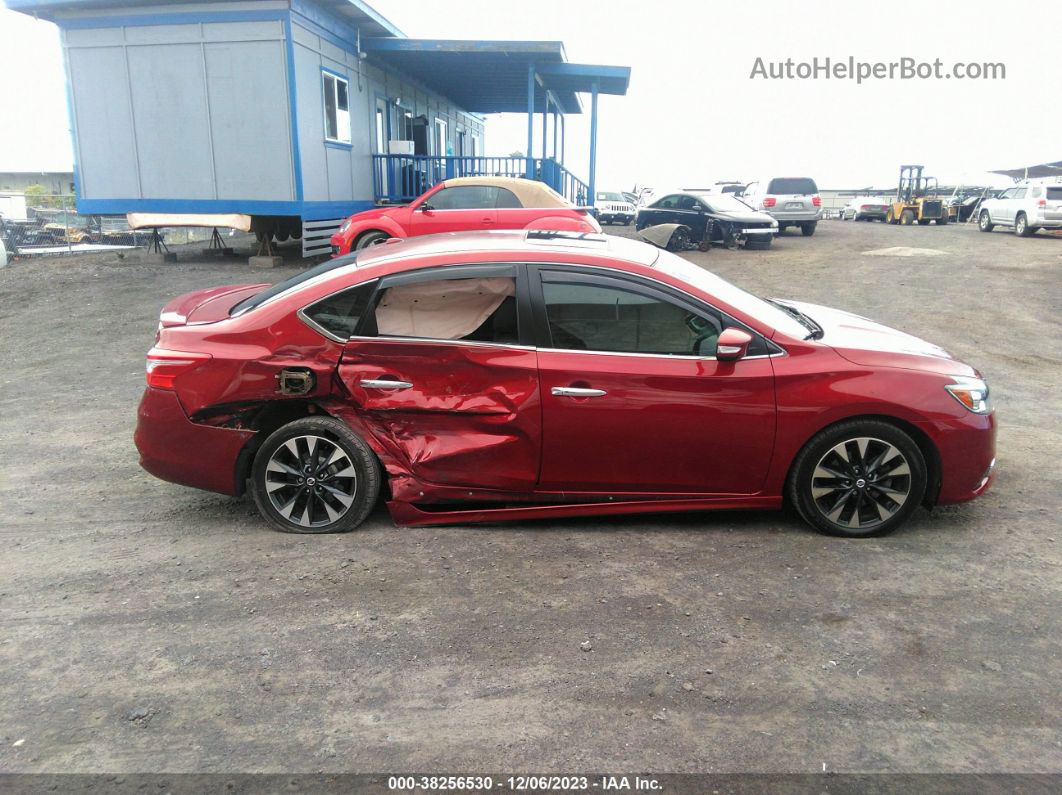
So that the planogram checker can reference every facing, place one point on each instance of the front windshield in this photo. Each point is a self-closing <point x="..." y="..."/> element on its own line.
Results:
<point x="725" y="203"/>
<point x="610" y="197"/>
<point x="767" y="313"/>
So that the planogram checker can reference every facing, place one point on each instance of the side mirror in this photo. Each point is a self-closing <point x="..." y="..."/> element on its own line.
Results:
<point x="424" y="207"/>
<point x="732" y="345"/>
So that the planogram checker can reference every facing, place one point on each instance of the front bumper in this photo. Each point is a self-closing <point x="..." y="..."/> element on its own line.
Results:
<point x="174" y="448"/>
<point x="967" y="448"/>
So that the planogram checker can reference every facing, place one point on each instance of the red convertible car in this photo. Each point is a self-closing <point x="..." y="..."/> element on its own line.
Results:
<point x="505" y="375"/>
<point x="466" y="204"/>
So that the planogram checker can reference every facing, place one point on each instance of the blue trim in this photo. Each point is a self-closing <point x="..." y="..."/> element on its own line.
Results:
<point x="296" y="152"/>
<point x="191" y="18"/>
<point x="343" y="77"/>
<point x="309" y="211"/>
<point x="347" y="45"/>
<point x="338" y="145"/>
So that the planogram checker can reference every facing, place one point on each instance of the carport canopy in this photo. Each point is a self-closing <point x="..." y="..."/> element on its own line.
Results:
<point x="493" y="76"/>
<point x="1033" y="172"/>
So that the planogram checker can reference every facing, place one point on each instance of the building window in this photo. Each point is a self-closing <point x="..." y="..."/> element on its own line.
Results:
<point x="337" y="108"/>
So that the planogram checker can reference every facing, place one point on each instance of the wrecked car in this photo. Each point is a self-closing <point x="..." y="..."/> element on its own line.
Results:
<point x="711" y="217"/>
<point x="514" y="375"/>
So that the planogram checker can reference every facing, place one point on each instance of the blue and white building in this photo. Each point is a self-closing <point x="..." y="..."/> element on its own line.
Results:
<point x="299" y="112"/>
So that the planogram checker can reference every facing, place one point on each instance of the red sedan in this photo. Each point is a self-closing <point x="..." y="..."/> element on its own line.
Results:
<point x="466" y="204"/>
<point x="496" y="376"/>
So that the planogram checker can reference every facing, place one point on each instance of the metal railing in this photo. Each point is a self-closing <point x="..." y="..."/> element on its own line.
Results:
<point x="401" y="178"/>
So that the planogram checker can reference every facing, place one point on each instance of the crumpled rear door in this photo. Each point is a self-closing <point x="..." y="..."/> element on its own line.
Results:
<point x="460" y="413"/>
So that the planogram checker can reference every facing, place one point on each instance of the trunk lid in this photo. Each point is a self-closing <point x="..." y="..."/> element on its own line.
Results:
<point x="206" y="306"/>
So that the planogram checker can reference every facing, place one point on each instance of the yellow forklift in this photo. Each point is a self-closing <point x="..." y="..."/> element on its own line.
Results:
<point x="916" y="200"/>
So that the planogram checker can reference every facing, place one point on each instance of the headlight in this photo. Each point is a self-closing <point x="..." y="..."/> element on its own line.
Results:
<point x="345" y="225"/>
<point x="972" y="393"/>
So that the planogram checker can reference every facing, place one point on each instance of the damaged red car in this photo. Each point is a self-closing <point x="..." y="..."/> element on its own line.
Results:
<point x="510" y="375"/>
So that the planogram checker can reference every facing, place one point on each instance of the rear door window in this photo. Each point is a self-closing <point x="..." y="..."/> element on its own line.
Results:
<point x="792" y="185"/>
<point x="1054" y="194"/>
<point x="477" y="308"/>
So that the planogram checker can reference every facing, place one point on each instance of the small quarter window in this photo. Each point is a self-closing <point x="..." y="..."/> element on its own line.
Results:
<point x="339" y="314"/>
<point x="336" y="108"/>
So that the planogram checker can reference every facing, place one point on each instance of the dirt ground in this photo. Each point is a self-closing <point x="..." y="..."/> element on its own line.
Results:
<point x="150" y="627"/>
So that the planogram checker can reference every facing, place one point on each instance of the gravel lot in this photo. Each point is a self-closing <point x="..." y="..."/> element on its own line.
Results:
<point x="149" y="627"/>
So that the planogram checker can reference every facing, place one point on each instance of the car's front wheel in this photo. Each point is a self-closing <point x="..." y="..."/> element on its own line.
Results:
<point x="315" y="475"/>
<point x="371" y="239"/>
<point x="858" y="479"/>
<point x="984" y="222"/>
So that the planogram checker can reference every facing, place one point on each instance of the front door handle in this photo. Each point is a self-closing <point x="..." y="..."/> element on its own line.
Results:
<point x="574" y="391"/>
<point x="383" y="383"/>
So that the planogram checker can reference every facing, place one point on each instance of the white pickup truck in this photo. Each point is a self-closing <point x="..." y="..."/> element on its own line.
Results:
<point x="1025" y="208"/>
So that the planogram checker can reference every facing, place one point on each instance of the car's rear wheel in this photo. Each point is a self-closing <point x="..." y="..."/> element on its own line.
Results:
<point x="808" y="229"/>
<point x="858" y="479"/>
<point x="1022" y="228"/>
<point x="315" y="475"/>
<point x="371" y="239"/>
<point x="984" y="222"/>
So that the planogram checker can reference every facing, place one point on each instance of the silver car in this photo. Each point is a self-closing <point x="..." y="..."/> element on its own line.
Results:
<point x="1025" y="208"/>
<point x="791" y="201"/>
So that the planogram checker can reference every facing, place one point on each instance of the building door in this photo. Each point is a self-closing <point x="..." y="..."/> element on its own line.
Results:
<point x="382" y="126"/>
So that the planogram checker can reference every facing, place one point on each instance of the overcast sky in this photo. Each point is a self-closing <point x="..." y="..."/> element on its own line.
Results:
<point x="693" y="115"/>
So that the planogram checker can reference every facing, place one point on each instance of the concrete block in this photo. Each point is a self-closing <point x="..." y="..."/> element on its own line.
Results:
<point x="265" y="262"/>
<point x="156" y="258"/>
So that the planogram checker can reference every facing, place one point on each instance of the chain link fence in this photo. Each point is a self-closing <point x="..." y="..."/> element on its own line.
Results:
<point x="34" y="223"/>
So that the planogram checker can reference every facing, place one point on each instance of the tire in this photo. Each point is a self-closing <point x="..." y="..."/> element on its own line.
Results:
<point x="890" y="217"/>
<point x="293" y="507"/>
<point x="1021" y="226"/>
<point x="943" y="220"/>
<point x="808" y="229"/>
<point x="680" y="240"/>
<point x="984" y="222"/>
<point x="370" y="239"/>
<point x="907" y="217"/>
<point x="758" y="244"/>
<point x="924" y="221"/>
<point x="781" y="229"/>
<point x="881" y="445"/>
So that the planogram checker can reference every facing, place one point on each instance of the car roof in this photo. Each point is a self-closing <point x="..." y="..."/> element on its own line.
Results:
<point x="530" y="192"/>
<point x="517" y="241"/>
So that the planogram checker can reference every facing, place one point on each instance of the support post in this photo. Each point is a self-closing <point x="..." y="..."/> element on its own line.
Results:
<point x="530" y="167"/>
<point x="592" y="186"/>
<point x="545" y="120"/>
<point x="555" y="133"/>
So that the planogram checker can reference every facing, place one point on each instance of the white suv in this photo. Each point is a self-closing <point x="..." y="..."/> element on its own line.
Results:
<point x="1025" y="207"/>
<point x="613" y="207"/>
<point x="791" y="201"/>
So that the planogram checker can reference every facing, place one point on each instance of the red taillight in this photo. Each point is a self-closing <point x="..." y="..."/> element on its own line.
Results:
<point x="1041" y="203"/>
<point x="865" y="207"/>
<point x="770" y="201"/>
<point x="164" y="366"/>
<point x="816" y="201"/>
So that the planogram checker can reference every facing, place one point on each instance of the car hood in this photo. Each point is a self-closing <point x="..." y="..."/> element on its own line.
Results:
<point x="862" y="341"/>
<point x="378" y="212"/>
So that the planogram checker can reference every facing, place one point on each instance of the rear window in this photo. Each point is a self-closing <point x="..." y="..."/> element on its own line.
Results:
<point x="792" y="185"/>
<point x="1055" y="194"/>
<point x="258" y="299"/>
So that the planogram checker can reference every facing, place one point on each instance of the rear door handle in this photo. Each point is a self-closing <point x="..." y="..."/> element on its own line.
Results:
<point x="383" y="383"/>
<point x="574" y="391"/>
